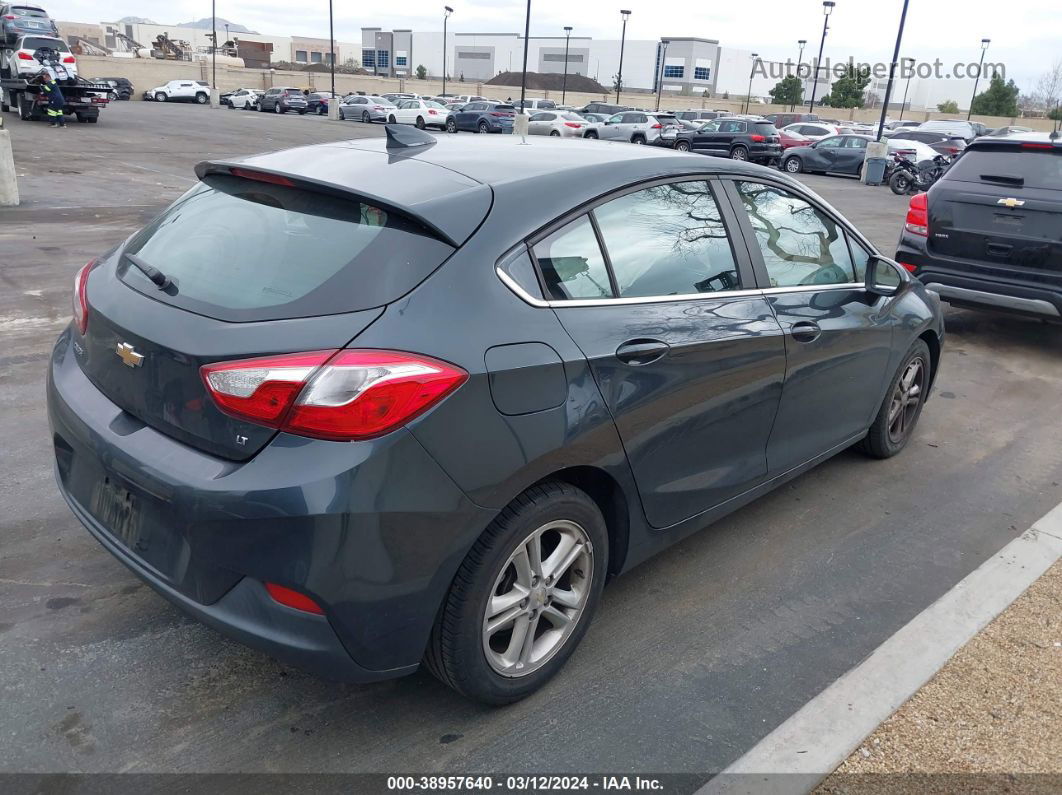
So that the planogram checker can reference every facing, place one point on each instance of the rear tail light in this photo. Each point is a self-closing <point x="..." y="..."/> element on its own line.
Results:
<point x="261" y="176"/>
<point x="292" y="598"/>
<point x="574" y="124"/>
<point x="918" y="216"/>
<point x="340" y="395"/>
<point x="432" y="112"/>
<point x="9" y="16"/>
<point x="81" y="296"/>
<point x="377" y="107"/>
<point x="656" y="126"/>
<point x="70" y="59"/>
<point x="757" y="139"/>
<point x="24" y="56"/>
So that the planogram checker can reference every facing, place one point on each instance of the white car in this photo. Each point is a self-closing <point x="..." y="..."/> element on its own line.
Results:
<point x="19" y="59"/>
<point x="244" y="99"/>
<point x="421" y="112"/>
<point x="915" y="151"/>
<point x="816" y="131"/>
<point x="187" y="90"/>
<point x="562" y="124"/>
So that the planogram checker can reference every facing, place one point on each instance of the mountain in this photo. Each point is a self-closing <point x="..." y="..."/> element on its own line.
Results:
<point x="204" y="24"/>
<point x="136" y="21"/>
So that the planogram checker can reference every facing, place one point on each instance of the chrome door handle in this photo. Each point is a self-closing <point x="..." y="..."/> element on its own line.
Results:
<point x="805" y="331"/>
<point x="642" y="351"/>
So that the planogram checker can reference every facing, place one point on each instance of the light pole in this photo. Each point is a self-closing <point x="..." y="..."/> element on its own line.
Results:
<point x="903" y="105"/>
<point x="984" y="46"/>
<point x="523" y="75"/>
<point x="752" y="72"/>
<point x="214" y="41"/>
<point x="800" y="59"/>
<point x="892" y="71"/>
<point x="446" y="15"/>
<point x="827" y="9"/>
<point x="332" y="50"/>
<point x="226" y="32"/>
<point x="567" y="39"/>
<point x="660" y="75"/>
<point x="623" y="40"/>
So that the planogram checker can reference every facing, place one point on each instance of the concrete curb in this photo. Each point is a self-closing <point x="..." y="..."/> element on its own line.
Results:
<point x="809" y="745"/>
<point x="8" y="182"/>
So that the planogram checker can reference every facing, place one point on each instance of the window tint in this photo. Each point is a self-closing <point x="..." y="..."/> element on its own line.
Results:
<point x="548" y="116"/>
<point x="732" y="126"/>
<point x="855" y="143"/>
<point x="616" y="119"/>
<point x="36" y="42"/>
<point x="667" y="240"/>
<point x="538" y="117"/>
<point x="800" y="244"/>
<point x="572" y="264"/>
<point x="298" y="253"/>
<point x="1038" y="168"/>
<point x="829" y="143"/>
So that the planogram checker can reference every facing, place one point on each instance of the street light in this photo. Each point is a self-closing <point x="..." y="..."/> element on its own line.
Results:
<point x="984" y="46"/>
<point x="752" y="72"/>
<point x="332" y="50"/>
<point x="660" y="74"/>
<point x="623" y="39"/>
<point x="446" y="15"/>
<point x="827" y="9"/>
<point x="800" y="59"/>
<point x="523" y="75"/>
<point x="892" y="72"/>
<point x="567" y="38"/>
<point x="214" y="48"/>
<point x="903" y="105"/>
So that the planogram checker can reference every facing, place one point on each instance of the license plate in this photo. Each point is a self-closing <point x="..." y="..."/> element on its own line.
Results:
<point x="117" y="509"/>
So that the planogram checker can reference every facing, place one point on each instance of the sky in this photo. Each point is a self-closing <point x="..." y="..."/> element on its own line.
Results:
<point x="1026" y="36"/>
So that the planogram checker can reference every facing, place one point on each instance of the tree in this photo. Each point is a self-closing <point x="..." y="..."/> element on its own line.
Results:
<point x="422" y="73"/>
<point x="616" y="86"/>
<point x="788" y="91"/>
<point x="847" y="90"/>
<point x="1048" y="92"/>
<point x="999" y="99"/>
<point x="1055" y="114"/>
<point x="948" y="106"/>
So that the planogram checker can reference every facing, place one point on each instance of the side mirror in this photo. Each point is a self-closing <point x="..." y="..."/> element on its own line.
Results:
<point x="883" y="277"/>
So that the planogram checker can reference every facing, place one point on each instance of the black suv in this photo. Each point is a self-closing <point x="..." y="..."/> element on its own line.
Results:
<point x="987" y="234"/>
<point x="739" y="139"/>
<point x="602" y="107"/>
<point x="121" y="87"/>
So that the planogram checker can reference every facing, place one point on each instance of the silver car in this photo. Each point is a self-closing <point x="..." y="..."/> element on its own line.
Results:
<point x="558" y="123"/>
<point x="365" y="108"/>
<point x="636" y="126"/>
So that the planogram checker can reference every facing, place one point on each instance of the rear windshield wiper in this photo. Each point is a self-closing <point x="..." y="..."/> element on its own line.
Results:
<point x="1008" y="179"/>
<point x="158" y="278"/>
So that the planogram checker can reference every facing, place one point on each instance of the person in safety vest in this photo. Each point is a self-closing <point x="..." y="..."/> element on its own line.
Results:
<point x="55" y="100"/>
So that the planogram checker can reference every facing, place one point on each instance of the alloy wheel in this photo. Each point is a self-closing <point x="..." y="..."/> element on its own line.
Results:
<point x="365" y="117"/>
<point x="906" y="399"/>
<point x="739" y="153"/>
<point x="792" y="165"/>
<point x="538" y="598"/>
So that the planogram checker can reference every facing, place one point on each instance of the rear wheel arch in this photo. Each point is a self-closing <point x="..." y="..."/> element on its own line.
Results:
<point x="932" y="341"/>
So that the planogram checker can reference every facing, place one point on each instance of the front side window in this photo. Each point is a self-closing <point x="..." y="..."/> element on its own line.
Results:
<point x="615" y="119"/>
<point x="829" y="143"/>
<point x="667" y="240"/>
<point x="800" y="244"/>
<point x="855" y="143"/>
<point x="572" y="264"/>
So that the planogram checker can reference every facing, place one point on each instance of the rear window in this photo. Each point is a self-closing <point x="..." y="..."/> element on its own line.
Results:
<point x="20" y="11"/>
<point x="764" y="128"/>
<point x="292" y="92"/>
<point x="1028" y="168"/>
<point x="240" y="250"/>
<point x="36" y="42"/>
<point x="505" y="108"/>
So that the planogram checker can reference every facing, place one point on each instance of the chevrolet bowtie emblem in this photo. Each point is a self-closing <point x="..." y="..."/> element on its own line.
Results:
<point x="1011" y="203"/>
<point x="127" y="353"/>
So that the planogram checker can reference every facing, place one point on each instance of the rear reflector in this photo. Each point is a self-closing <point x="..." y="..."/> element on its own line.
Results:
<point x="260" y="176"/>
<point x="909" y="266"/>
<point x="291" y="598"/>
<point x="81" y="296"/>
<point x="917" y="222"/>
<point x="340" y="395"/>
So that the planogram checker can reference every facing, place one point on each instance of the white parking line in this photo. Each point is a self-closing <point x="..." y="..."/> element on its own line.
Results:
<point x="808" y="746"/>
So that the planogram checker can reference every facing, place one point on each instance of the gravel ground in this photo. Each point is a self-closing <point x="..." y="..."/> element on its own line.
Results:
<point x="995" y="708"/>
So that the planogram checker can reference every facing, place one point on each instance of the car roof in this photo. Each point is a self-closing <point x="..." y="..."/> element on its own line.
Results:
<point x="989" y="141"/>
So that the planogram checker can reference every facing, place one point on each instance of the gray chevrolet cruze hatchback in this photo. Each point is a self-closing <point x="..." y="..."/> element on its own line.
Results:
<point x="438" y="391"/>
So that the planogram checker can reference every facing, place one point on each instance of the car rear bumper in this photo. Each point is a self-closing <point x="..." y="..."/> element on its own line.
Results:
<point x="372" y="531"/>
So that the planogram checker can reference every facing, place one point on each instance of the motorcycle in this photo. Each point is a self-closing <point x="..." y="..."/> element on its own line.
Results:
<point x="907" y="177"/>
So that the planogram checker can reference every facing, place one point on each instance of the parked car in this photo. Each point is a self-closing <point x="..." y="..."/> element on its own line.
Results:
<point x="19" y="19"/>
<point x="986" y="234"/>
<point x="281" y="99"/>
<point x="534" y="105"/>
<point x="227" y="95"/>
<point x="365" y="108"/>
<point x="197" y="91"/>
<point x="838" y="154"/>
<point x="395" y="96"/>
<point x="944" y="143"/>
<point x="702" y="115"/>
<point x="421" y="112"/>
<point x="317" y="102"/>
<point x="482" y="117"/>
<point x="244" y="99"/>
<point x="954" y="127"/>
<point x="738" y="139"/>
<point x="444" y="466"/>
<point x="121" y="87"/>
<point x="669" y="134"/>
<point x="789" y="139"/>
<point x="603" y="107"/>
<point x="464" y="99"/>
<point x="1011" y="130"/>
<point x="915" y="151"/>
<point x="635" y="126"/>
<point x="559" y="124"/>
<point x="902" y="124"/>
<point x="781" y="120"/>
<point x="814" y="130"/>
<point x="594" y="122"/>
<point x="20" y="59"/>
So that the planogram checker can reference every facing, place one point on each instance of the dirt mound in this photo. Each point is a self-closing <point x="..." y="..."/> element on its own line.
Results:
<point x="549" y="82"/>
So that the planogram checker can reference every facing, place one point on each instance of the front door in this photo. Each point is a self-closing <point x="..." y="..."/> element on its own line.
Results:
<point x="689" y="360"/>
<point x="838" y="337"/>
<point x="613" y="128"/>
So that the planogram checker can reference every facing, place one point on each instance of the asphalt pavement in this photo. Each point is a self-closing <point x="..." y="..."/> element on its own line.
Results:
<point x="694" y="656"/>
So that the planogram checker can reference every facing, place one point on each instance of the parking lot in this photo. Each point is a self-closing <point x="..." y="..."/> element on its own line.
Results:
<point x="694" y="656"/>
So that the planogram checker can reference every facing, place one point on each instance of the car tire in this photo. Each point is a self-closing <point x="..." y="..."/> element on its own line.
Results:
<point x="739" y="153"/>
<point x="277" y="108"/>
<point x="201" y="98"/>
<point x="487" y="666"/>
<point x="365" y="117"/>
<point x="451" y="126"/>
<point x="554" y="134"/>
<point x="420" y="123"/>
<point x="592" y="135"/>
<point x="902" y="406"/>
<point x="113" y="96"/>
<point x="302" y="111"/>
<point x="391" y="119"/>
<point x="92" y="119"/>
<point x="484" y="127"/>
<point x="792" y="165"/>
<point x="638" y="139"/>
<point x="682" y="146"/>
<point x="160" y="97"/>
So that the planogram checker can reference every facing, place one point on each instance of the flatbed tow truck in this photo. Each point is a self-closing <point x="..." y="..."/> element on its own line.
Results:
<point x="23" y="93"/>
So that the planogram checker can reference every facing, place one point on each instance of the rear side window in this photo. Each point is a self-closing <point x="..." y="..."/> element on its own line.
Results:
<point x="572" y="264"/>
<point x="764" y="128"/>
<point x="667" y="240"/>
<point x="1027" y="168"/>
<point x="243" y="250"/>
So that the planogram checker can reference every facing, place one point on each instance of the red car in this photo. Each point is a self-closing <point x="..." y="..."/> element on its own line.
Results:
<point x="790" y="139"/>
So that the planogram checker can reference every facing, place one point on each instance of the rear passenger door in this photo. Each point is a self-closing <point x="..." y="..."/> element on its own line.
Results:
<point x="688" y="359"/>
<point x="851" y="155"/>
<point x="467" y="116"/>
<point x="838" y="337"/>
